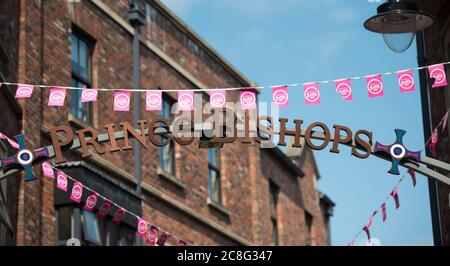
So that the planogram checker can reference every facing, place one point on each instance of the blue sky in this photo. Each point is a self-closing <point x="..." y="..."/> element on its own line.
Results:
<point x="290" y="41"/>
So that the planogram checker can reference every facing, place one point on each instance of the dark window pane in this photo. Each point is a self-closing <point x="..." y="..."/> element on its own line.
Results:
<point x="83" y="64"/>
<point x="65" y="223"/>
<point x="214" y="186"/>
<point x="275" y="237"/>
<point x="75" y="53"/>
<point x="91" y="228"/>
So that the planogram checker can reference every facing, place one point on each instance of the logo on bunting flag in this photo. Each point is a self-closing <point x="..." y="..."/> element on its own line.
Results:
<point x="185" y="100"/>
<point x="438" y="73"/>
<point x="153" y="100"/>
<point x="152" y="235"/>
<point x="312" y="93"/>
<point x="375" y="86"/>
<point x="248" y="99"/>
<point x="406" y="81"/>
<point x="122" y="100"/>
<point x="104" y="209"/>
<point x="47" y="170"/>
<point x="24" y="91"/>
<point x="344" y="88"/>
<point x="217" y="99"/>
<point x="118" y="215"/>
<point x="88" y="95"/>
<point x="57" y="97"/>
<point x="61" y="180"/>
<point x="77" y="192"/>
<point x="280" y="96"/>
<point x="141" y="227"/>
<point x="91" y="202"/>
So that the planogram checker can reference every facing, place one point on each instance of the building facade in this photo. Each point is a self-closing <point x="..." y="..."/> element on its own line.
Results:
<point x="237" y="195"/>
<point x="436" y="49"/>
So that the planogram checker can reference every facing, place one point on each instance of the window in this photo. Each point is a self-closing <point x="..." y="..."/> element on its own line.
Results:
<point x="90" y="229"/>
<point x="81" y="76"/>
<point x="309" y="225"/>
<point x="274" y="191"/>
<point x="214" y="181"/>
<point x="167" y="153"/>
<point x="3" y="203"/>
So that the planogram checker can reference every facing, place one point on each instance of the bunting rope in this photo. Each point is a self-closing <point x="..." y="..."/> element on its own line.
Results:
<point x="430" y="143"/>
<point x="227" y="88"/>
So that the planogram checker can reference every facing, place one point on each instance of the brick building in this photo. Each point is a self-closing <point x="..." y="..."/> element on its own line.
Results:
<point x="237" y="195"/>
<point x="436" y="49"/>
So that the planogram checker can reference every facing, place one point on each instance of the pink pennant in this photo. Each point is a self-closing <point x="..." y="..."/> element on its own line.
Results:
<point x="153" y="100"/>
<point x="438" y="73"/>
<point x="47" y="170"/>
<point x="375" y="86"/>
<point x="61" y="180"/>
<point x="432" y="142"/>
<point x="217" y="99"/>
<point x="118" y="215"/>
<point x="152" y="236"/>
<point x="142" y="227"/>
<point x="163" y="238"/>
<point x="182" y="243"/>
<point x="367" y="230"/>
<point x="445" y="120"/>
<point x="312" y="93"/>
<point x="89" y="95"/>
<point x="406" y="81"/>
<point x="91" y="202"/>
<point x="248" y="99"/>
<point x="122" y="101"/>
<point x="344" y="88"/>
<point x="369" y="223"/>
<point x="394" y="194"/>
<point x="383" y="210"/>
<point x="24" y="91"/>
<point x="104" y="209"/>
<point x="280" y="96"/>
<point x="10" y="141"/>
<point x="77" y="192"/>
<point x="57" y="97"/>
<point x="412" y="173"/>
<point x="185" y="100"/>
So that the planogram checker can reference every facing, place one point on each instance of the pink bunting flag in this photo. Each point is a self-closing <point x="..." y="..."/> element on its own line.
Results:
<point x="367" y="230"/>
<point x="369" y="223"/>
<point x="248" y="99"/>
<point x="104" y="209"/>
<point x="152" y="235"/>
<point x="182" y="243"/>
<point x="432" y="142"/>
<point x="217" y="99"/>
<point x="438" y="73"/>
<point x="394" y="194"/>
<point x="185" y="100"/>
<point x="61" y="181"/>
<point x="24" y="91"/>
<point x="122" y="101"/>
<point x="163" y="238"/>
<point x="142" y="227"/>
<point x="311" y="93"/>
<point x="412" y="173"/>
<point x="406" y="81"/>
<point x="118" y="215"/>
<point x="57" y="97"/>
<point x="344" y="88"/>
<point x="77" y="192"/>
<point x="10" y="141"/>
<point x="47" y="170"/>
<point x="444" y="121"/>
<point x="153" y="100"/>
<point x="280" y="96"/>
<point x="375" y="86"/>
<point x="383" y="210"/>
<point x="89" y="95"/>
<point x="91" y="202"/>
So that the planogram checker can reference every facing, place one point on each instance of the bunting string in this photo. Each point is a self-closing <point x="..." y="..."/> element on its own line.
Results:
<point x="374" y="84"/>
<point x="394" y="191"/>
<point x="144" y="228"/>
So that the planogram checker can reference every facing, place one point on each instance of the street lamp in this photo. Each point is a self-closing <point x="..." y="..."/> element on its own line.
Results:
<point x="398" y="21"/>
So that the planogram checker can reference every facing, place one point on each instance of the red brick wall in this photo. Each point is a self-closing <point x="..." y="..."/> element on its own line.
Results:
<point x="45" y="58"/>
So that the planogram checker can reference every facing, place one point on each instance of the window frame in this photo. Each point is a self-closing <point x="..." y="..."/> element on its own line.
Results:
<point x="166" y="113"/>
<point x="214" y="168"/>
<point x="77" y="78"/>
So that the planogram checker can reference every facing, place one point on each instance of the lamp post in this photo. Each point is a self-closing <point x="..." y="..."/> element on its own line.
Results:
<point x="399" y="21"/>
<point x="137" y="20"/>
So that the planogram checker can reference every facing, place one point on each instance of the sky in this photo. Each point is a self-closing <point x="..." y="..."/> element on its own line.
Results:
<point x="297" y="41"/>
